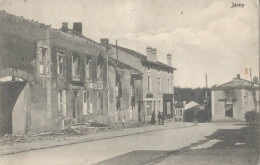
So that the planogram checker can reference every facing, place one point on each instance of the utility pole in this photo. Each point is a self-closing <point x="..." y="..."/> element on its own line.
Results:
<point x="207" y="105"/>
<point x="206" y="87"/>
<point x="258" y="53"/>
<point x="251" y="83"/>
<point x="116" y="53"/>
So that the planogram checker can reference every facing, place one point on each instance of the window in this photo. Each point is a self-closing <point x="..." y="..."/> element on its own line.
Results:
<point x="118" y="86"/>
<point x="42" y="59"/>
<point x="168" y="108"/>
<point x="100" y="70"/>
<point x="149" y="84"/>
<point x="131" y="112"/>
<point x="62" y="102"/>
<point x="159" y="84"/>
<point x="86" y="103"/>
<point x="148" y="69"/>
<point x="61" y="64"/>
<point x="168" y="85"/>
<point x="181" y="112"/>
<point x="75" y="67"/>
<point x="88" y="69"/>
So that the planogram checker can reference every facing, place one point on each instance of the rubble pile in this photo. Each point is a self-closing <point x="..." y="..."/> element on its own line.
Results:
<point x="78" y="129"/>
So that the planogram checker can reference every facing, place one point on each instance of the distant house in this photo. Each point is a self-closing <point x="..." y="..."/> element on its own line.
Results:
<point x="232" y="99"/>
<point x="196" y="112"/>
<point x="179" y="109"/>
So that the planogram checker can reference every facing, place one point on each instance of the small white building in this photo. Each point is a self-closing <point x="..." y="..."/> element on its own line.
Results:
<point x="232" y="99"/>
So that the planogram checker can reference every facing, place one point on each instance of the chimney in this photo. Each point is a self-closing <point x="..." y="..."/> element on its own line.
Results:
<point x="64" y="26"/>
<point x="104" y="42"/>
<point x="154" y="55"/>
<point x="149" y="53"/>
<point x="255" y="80"/>
<point x="184" y="102"/>
<point x="238" y="76"/>
<point x="169" y="59"/>
<point x="77" y="27"/>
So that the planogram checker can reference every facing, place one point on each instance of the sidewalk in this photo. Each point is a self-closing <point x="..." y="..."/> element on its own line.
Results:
<point x="23" y="147"/>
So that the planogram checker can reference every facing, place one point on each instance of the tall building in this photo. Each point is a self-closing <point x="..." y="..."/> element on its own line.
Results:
<point x="155" y="86"/>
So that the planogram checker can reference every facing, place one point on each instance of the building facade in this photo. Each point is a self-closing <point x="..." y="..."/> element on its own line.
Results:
<point x="233" y="99"/>
<point x="50" y="78"/>
<point x="179" y="110"/>
<point x="153" y="90"/>
<point x="54" y="78"/>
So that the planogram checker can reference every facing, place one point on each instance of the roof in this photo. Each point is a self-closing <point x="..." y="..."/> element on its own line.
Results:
<point x="191" y="104"/>
<point x="114" y="62"/>
<point x="143" y="58"/>
<point x="236" y="83"/>
<point x="42" y="25"/>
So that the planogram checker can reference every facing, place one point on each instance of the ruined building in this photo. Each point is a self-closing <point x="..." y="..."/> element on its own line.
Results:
<point x="53" y="78"/>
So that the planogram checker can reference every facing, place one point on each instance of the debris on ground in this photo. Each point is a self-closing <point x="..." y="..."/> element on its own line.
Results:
<point x="87" y="128"/>
<point x="77" y="129"/>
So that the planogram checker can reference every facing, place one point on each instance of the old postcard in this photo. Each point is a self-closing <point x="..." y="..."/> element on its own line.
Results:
<point x="140" y="82"/>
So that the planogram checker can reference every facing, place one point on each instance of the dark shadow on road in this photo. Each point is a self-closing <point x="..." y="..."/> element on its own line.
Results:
<point x="134" y="158"/>
<point x="237" y="147"/>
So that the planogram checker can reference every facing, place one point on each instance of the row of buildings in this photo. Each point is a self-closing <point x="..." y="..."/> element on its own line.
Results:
<point x="53" y="78"/>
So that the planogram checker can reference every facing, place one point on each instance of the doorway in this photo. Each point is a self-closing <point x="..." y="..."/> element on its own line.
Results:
<point x="229" y="110"/>
<point x="75" y="105"/>
<point x="139" y="110"/>
<point x="9" y="94"/>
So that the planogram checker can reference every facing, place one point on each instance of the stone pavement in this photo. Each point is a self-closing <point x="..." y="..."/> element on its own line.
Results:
<point x="23" y="147"/>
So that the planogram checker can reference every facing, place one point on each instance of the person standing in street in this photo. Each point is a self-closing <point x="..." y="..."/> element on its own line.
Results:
<point x="159" y="117"/>
<point x="162" y="117"/>
<point x="153" y="118"/>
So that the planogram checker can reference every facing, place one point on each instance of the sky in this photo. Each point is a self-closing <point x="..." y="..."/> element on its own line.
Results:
<point x="203" y="36"/>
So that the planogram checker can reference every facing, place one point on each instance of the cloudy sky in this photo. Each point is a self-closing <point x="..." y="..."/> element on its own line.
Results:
<point x="204" y="36"/>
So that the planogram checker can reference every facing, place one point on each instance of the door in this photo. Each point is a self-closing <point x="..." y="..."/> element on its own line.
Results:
<point x="75" y="104"/>
<point x="139" y="110"/>
<point x="229" y="110"/>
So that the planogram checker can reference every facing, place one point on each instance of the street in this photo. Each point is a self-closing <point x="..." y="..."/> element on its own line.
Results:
<point x="227" y="146"/>
<point x="134" y="149"/>
<point x="206" y="143"/>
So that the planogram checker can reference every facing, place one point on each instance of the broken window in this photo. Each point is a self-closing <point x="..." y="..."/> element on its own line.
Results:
<point x="88" y="69"/>
<point x="118" y="86"/>
<point x="100" y="69"/>
<point x="61" y="71"/>
<point x="75" y="67"/>
<point x="42" y="59"/>
<point x="62" y="102"/>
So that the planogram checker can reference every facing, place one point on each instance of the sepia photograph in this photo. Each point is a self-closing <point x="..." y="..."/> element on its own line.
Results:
<point x="138" y="82"/>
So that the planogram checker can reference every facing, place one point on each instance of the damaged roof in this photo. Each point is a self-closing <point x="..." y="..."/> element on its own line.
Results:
<point x="114" y="62"/>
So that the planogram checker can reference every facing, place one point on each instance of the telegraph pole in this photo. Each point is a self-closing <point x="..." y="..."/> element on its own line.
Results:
<point x="258" y="53"/>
